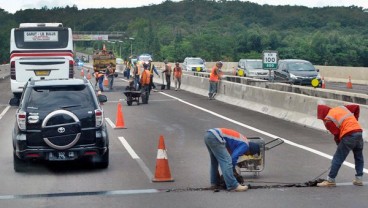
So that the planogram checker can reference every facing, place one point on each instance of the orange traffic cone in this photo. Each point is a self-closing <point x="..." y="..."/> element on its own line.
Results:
<point x="119" y="123"/>
<point x="349" y="85"/>
<point x="162" y="173"/>
<point x="323" y="83"/>
<point x="82" y="73"/>
<point x="106" y="82"/>
<point x="89" y="75"/>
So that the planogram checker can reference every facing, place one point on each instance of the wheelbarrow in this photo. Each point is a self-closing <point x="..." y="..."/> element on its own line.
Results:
<point x="256" y="163"/>
<point x="132" y="95"/>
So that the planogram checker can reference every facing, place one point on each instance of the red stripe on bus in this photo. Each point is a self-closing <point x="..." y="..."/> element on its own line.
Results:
<point x="41" y="54"/>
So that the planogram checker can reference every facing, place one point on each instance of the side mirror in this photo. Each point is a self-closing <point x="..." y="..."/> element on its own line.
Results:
<point x="102" y="98"/>
<point x="14" y="101"/>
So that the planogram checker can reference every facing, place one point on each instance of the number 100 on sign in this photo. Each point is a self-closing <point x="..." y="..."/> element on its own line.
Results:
<point x="270" y="60"/>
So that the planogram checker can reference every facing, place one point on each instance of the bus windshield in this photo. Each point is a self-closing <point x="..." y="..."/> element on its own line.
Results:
<point x="41" y="38"/>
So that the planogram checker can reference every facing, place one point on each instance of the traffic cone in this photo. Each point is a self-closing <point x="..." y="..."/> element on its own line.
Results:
<point x="106" y="82"/>
<point x="89" y="75"/>
<point x="323" y="83"/>
<point x="162" y="173"/>
<point x="82" y="73"/>
<point x="349" y="85"/>
<point x="119" y="123"/>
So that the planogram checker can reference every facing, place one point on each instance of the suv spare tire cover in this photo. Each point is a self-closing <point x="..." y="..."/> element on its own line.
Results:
<point x="61" y="112"/>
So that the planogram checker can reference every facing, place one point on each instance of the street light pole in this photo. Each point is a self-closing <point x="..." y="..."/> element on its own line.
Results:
<point x="131" y="46"/>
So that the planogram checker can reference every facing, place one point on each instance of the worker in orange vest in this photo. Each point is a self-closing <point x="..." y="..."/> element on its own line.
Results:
<point x="99" y="75"/>
<point x="145" y="83"/>
<point x="215" y="77"/>
<point x="342" y="122"/>
<point x="136" y="74"/>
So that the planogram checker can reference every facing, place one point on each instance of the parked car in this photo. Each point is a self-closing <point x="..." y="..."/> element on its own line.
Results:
<point x="59" y="120"/>
<point x="196" y="64"/>
<point x="296" y="71"/>
<point x="144" y="58"/>
<point x="252" y="68"/>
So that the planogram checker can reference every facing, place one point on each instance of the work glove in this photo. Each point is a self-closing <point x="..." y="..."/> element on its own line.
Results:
<point x="337" y="140"/>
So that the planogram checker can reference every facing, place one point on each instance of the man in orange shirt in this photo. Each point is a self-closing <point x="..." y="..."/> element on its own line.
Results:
<point x="145" y="83"/>
<point x="342" y="122"/>
<point x="215" y="77"/>
<point x="177" y="76"/>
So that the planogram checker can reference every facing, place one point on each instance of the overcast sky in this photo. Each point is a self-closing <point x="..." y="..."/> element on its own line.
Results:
<point x="15" y="5"/>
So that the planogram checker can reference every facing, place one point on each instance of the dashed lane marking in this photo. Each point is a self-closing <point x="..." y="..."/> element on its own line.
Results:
<point x="348" y="164"/>
<point x="4" y="111"/>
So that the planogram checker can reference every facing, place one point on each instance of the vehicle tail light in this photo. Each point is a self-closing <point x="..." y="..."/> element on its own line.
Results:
<point x="12" y="70"/>
<point x="21" y="120"/>
<point x="90" y="153"/>
<point x="71" y="68"/>
<point x="99" y="118"/>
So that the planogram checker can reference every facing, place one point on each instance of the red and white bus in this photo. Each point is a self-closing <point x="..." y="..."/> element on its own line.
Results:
<point x="40" y="51"/>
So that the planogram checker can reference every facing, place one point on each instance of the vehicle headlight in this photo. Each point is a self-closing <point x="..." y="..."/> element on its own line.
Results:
<point x="292" y="76"/>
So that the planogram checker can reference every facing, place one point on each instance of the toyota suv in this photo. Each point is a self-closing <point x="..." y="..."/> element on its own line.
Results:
<point x="59" y="120"/>
<point x="194" y="64"/>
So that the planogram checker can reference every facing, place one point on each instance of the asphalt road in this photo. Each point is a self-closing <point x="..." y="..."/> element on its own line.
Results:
<point x="182" y="118"/>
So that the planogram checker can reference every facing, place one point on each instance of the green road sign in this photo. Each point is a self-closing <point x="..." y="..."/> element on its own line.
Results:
<point x="269" y="59"/>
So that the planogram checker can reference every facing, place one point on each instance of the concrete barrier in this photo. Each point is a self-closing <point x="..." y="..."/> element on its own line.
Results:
<point x="4" y="71"/>
<point x="297" y="108"/>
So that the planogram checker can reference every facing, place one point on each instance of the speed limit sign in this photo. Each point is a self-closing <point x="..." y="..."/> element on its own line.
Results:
<point x="270" y="59"/>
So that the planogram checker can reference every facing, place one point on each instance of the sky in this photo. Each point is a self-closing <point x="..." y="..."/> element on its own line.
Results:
<point x="15" y="5"/>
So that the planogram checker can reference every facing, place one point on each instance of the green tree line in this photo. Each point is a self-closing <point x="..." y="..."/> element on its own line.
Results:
<point x="216" y="30"/>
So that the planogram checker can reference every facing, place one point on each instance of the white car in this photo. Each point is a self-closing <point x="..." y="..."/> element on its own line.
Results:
<point x="195" y="64"/>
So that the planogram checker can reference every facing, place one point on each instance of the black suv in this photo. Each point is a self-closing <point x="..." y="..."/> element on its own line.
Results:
<point x="60" y="120"/>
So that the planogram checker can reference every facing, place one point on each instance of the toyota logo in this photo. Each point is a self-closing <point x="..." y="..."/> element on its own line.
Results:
<point x="61" y="130"/>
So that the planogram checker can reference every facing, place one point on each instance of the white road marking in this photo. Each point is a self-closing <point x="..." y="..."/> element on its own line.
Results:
<point x="4" y="111"/>
<point x="110" y="123"/>
<point x="137" y="158"/>
<point x="348" y="164"/>
<point x="128" y="148"/>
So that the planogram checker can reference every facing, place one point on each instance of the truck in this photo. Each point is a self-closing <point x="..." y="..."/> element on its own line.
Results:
<point x="101" y="59"/>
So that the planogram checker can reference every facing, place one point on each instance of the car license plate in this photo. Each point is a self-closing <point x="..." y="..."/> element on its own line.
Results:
<point x="61" y="156"/>
<point x="42" y="72"/>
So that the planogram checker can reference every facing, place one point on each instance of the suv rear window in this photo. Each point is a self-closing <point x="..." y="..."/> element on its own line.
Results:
<point x="49" y="97"/>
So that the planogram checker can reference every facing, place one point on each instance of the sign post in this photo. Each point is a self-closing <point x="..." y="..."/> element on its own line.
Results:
<point x="269" y="61"/>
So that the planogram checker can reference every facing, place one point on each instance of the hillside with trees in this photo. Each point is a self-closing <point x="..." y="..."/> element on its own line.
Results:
<point x="217" y="30"/>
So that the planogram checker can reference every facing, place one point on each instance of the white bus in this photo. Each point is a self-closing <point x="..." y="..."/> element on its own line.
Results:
<point x="40" y="51"/>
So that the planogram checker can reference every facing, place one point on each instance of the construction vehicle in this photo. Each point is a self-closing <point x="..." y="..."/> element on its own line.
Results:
<point x="101" y="59"/>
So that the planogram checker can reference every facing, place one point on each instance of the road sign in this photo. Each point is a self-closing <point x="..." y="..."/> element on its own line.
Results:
<point x="270" y="59"/>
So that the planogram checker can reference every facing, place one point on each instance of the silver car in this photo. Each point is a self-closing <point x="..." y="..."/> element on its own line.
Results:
<point x="252" y="68"/>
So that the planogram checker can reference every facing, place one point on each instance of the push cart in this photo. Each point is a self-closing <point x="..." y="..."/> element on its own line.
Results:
<point x="132" y="95"/>
<point x="256" y="163"/>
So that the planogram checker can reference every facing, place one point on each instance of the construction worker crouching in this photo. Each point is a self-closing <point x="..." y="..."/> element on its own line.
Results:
<point x="99" y="75"/>
<point x="145" y="83"/>
<point x="225" y="146"/>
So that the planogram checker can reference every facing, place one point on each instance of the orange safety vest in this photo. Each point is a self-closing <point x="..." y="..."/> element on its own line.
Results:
<point x="343" y="119"/>
<point x="98" y="75"/>
<point x="220" y="133"/>
<point x="214" y="77"/>
<point x="177" y="72"/>
<point x="145" y="79"/>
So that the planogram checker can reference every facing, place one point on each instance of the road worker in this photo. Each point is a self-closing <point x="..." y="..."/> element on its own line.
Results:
<point x="167" y="71"/>
<point x="136" y="74"/>
<point x="145" y="83"/>
<point x="342" y="122"/>
<point x="152" y="69"/>
<point x="178" y="71"/>
<point x="225" y="146"/>
<point x="215" y="77"/>
<point x="99" y="75"/>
